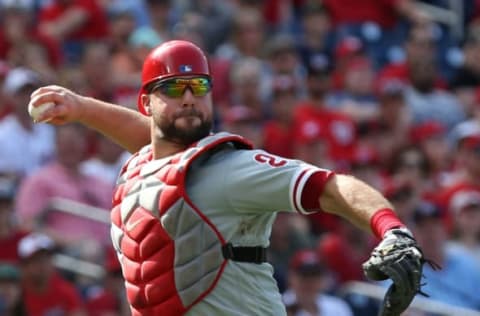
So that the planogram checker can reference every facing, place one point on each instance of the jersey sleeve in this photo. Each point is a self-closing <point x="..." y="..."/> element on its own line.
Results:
<point x="257" y="181"/>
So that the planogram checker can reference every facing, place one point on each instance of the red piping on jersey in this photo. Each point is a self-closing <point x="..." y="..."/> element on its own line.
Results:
<point x="187" y="199"/>
<point x="295" y="189"/>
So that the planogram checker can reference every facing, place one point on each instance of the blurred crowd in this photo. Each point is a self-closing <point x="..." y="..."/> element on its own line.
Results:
<point x="376" y="88"/>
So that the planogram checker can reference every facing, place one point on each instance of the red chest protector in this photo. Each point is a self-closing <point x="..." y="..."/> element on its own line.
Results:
<point x="169" y="250"/>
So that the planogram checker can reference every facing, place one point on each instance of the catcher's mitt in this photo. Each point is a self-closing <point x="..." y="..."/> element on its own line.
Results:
<point x="399" y="258"/>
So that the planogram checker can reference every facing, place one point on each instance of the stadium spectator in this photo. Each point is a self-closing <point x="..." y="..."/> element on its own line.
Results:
<point x="122" y="24"/>
<point x="5" y="107"/>
<point x="467" y="167"/>
<point x="466" y="78"/>
<point x="419" y="45"/>
<point x="136" y="8"/>
<point x="343" y="251"/>
<point x="464" y="176"/>
<point x="282" y="58"/>
<point x="215" y="18"/>
<point x="11" y="300"/>
<point x="410" y="167"/>
<point x="72" y="24"/>
<point x="393" y="121"/>
<point x="25" y="146"/>
<point x="332" y="132"/>
<point x="467" y="129"/>
<point x="106" y="161"/>
<point x="308" y="283"/>
<point x="246" y="38"/>
<point x="110" y="298"/>
<point x="45" y="291"/>
<point x="465" y="209"/>
<point x="457" y="281"/>
<point x="22" y="43"/>
<point x="428" y="103"/>
<point x="278" y="131"/>
<point x="365" y="164"/>
<point x="126" y="64"/>
<point x="431" y="137"/>
<point x="97" y="71"/>
<point x="242" y="120"/>
<point x="290" y="233"/>
<point x="246" y="77"/>
<point x="345" y="50"/>
<point x="376" y="22"/>
<point x="385" y="14"/>
<point x="10" y="232"/>
<point x="357" y="98"/>
<point x="189" y="28"/>
<point x="62" y="179"/>
<point x="315" y="44"/>
<point x="160" y="16"/>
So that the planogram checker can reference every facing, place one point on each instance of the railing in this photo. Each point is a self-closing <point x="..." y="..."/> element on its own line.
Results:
<point x="79" y="209"/>
<point x="78" y="266"/>
<point x="74" y="208"/>
<point x="453" y="16"/>
<point x="419" y="303"/>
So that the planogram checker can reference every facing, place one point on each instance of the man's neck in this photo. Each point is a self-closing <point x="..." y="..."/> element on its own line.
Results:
<point x="311" y="307"/>
<point x="317" y="100"/>
<point x="163" y="148"/>
<point x="37" y="285"/>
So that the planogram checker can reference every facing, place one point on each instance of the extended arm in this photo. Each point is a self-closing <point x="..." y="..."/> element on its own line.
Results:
<point x="352" y="199"/>
<point x="127" y="127"/>
<point x="397" y="256"/>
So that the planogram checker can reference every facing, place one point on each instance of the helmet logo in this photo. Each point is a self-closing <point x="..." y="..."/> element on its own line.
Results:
<point x="185" y="68"/>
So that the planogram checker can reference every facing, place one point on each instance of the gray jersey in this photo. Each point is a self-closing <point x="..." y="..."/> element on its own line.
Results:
<point x="240" y="191"/>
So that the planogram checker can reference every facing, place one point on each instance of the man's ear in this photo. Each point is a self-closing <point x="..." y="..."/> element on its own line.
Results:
<point x="146" y="104"/>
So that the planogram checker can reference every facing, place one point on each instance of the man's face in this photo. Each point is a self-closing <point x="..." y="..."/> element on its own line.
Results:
<point x="423" y="74"/>
<point x="318" y="85"/>
<point x="38" y="268"/>
<point x="184" y="119"/>
<point x="306" y="286"/>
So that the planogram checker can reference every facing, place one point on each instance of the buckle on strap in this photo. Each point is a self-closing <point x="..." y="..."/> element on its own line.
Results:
<point x="227" y="251"/>
<point x="245" y="254"/>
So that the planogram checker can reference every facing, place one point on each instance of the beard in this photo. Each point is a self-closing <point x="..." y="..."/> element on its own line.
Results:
<point x="185" y="135"/>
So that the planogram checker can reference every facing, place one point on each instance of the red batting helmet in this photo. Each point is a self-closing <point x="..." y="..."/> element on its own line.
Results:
<point x="170" y="59"/>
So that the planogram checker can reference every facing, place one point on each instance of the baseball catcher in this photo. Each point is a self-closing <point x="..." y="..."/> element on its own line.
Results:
<point x="193" y="210"/>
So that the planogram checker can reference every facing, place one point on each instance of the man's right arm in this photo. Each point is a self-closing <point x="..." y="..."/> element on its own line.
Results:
<point x="129" y="128"/>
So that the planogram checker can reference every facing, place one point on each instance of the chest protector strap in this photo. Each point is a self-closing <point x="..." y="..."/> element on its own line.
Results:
<point x="244" y="254"/>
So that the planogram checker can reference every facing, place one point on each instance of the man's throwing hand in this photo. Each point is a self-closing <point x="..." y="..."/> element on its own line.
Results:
<point x="68" y="105"/>
<point x="399" y="258"/>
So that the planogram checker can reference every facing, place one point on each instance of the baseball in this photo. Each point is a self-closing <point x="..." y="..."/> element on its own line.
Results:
<point x="36" y="111"/>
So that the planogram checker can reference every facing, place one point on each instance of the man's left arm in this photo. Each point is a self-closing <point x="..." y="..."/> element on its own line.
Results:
<point x="354" y="200"/>
<point x="397" y="256"/>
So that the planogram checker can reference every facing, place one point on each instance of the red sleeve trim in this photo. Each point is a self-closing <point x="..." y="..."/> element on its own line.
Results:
<point x="307" y="197"/>
<point x="383" y="220"/>
<point x="296" y="189"/>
